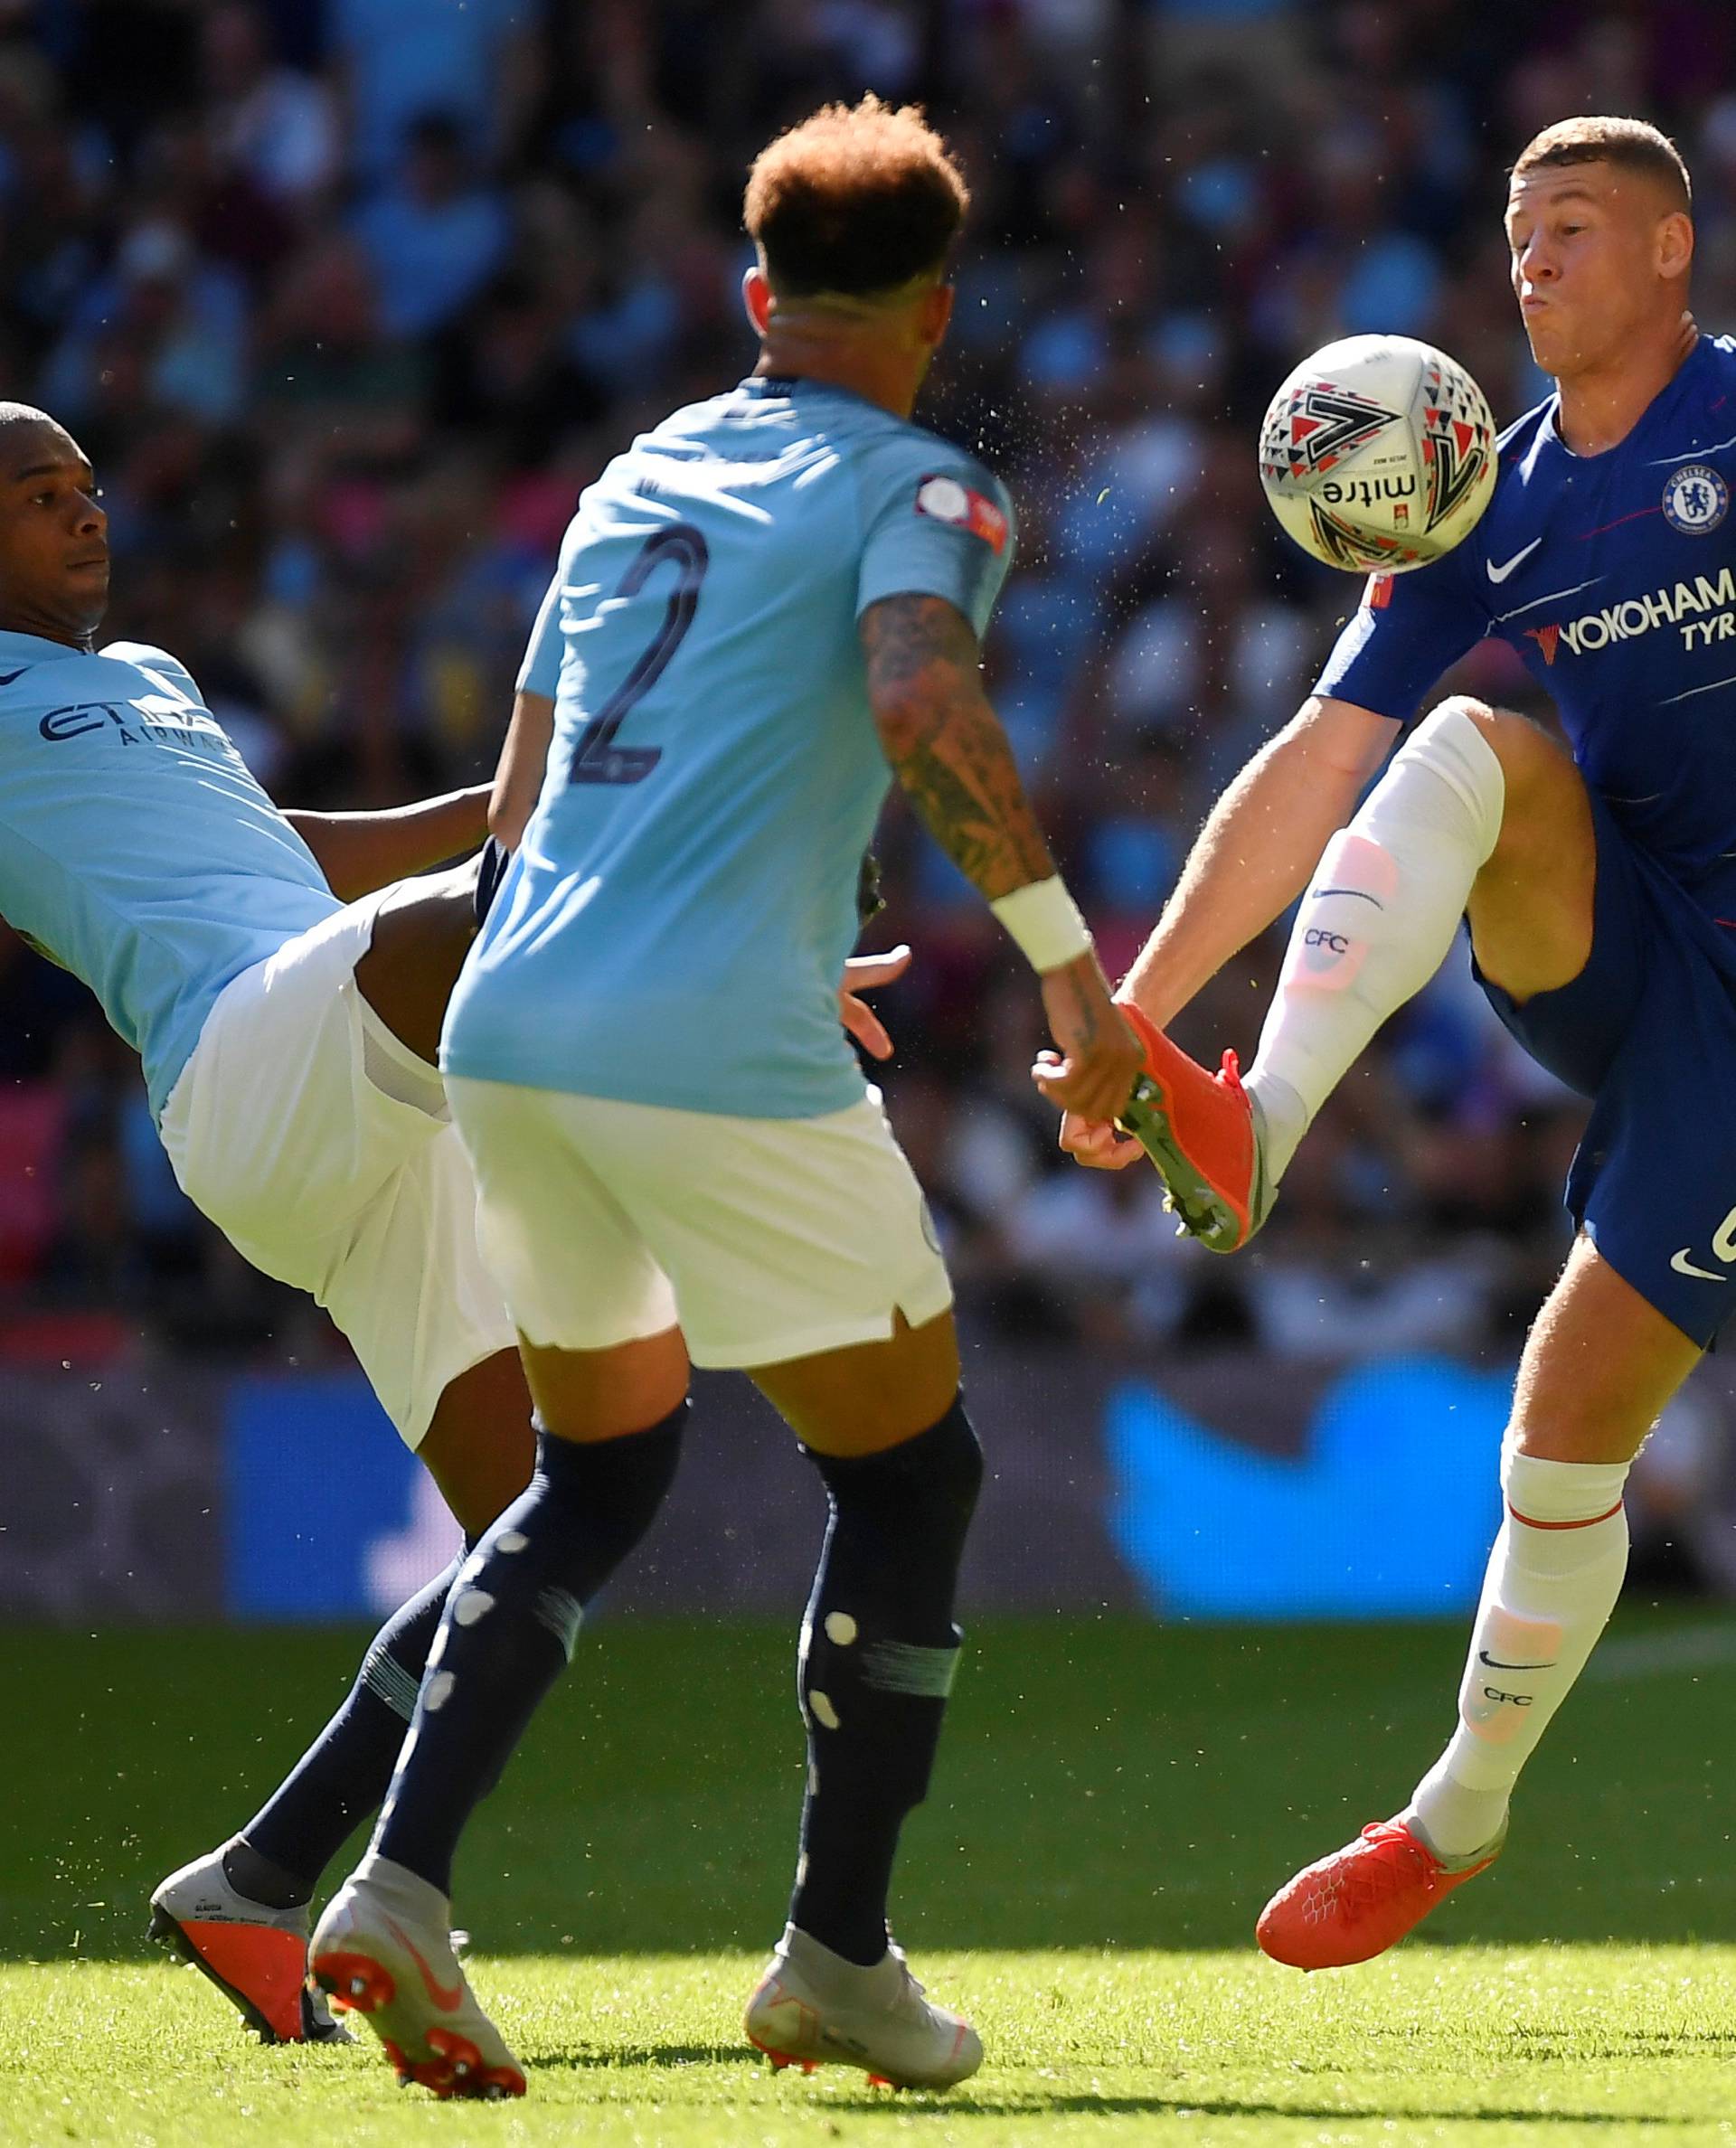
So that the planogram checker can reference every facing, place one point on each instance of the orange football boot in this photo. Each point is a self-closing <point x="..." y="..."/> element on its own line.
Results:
<point x="1362" y="1899"/>
<point x="257" y="1956"/>
<point x="1204" y="1134"/>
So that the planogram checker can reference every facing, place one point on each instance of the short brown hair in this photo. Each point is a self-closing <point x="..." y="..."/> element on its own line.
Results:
<point x="857" y="198"/>
<point x="1635" y="145"/>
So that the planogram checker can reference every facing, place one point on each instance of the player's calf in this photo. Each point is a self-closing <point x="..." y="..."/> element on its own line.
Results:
<point x="879" y="1653"/>
<point x="1532" y="904"/>
<point x="509" y="1627"/>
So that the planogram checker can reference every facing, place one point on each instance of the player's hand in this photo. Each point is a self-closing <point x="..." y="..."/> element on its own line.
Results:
<point x="1098" y="1143"/>
<point x="1098" y="1061"/>
<point x="863" y="973"/>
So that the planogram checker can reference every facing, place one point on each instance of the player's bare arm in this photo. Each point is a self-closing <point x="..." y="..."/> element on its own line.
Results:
<point x="1249" y="863"/>
<point x="518" y="776"/>
<point x="946" y="744"/>
<point x="951" y="758"/>
<point x="360" y="851"/>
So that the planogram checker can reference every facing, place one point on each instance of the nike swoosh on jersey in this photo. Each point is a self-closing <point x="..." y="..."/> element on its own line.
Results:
<point x="1685" y="1267"/>
<point x="1500" y="574"/>
<point x="446" y="1998"/>
<point x="7" y="677"/>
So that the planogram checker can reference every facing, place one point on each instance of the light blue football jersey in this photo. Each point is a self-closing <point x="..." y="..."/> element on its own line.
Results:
<point x="674" y="928"/>
<point x="136" y="850"/>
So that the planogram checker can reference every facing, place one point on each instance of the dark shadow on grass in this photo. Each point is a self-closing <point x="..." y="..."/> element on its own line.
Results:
<point x="1032" y="2107"/>
<point x="639" y="2055"/>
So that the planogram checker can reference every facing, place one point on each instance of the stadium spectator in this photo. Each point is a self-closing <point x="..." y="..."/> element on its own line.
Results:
<point x="351" y="302"/>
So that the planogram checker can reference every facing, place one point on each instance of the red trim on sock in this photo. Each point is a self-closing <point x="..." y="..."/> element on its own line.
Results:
<point x="1590" y="1523"/>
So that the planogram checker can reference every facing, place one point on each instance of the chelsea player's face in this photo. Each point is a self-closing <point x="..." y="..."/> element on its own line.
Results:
<point x="53" y="535"/>
<point x="1584" y="243"/>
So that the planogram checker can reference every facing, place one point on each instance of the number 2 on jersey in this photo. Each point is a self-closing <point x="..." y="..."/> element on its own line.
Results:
<point x="596" y="759"/>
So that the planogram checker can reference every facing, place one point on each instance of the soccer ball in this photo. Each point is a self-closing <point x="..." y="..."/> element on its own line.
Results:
<point x="1378" y="452"/>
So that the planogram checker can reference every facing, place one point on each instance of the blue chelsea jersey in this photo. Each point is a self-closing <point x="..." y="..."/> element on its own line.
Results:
<point x="673" y="929"/>
<point x="1614" y="577"/>
<point x="135" y="848"/>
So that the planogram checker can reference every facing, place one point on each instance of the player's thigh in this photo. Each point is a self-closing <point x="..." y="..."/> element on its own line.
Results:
<point x="595" y="1313"/>
<point x="1582" y="1031"/>
<point x="422" y="930"/>
<point x="406" y="1281"/>
<point x="1532" y="908"/>
<point x="298" y="1103"/>
<point x="868" y="1396"/>
<point x="799" y="1250"/>
<point x="587" y="1395"/>
<point x="479" y="1448"/>
<point x="1599" y="1366"/>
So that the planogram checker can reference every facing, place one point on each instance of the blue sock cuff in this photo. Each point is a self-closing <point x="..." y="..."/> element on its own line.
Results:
<point x="947" y="1458"/>
<point x="621" y="1460"/>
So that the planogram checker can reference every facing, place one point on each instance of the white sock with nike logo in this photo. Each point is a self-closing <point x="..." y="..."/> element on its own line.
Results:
<point x="1552" y="1581"/>
<point x="1378" y="918"/>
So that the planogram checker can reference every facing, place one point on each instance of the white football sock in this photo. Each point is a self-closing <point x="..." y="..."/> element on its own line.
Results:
<point x="1552" y="1581"/>
<point x="1378" y="918"/>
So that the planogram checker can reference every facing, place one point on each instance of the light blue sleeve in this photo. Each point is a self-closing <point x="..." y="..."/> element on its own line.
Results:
<point x="541" y="671"/>
<point x="939" y="525"/>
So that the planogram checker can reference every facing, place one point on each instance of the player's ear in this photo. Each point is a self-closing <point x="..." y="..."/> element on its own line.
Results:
<point x="756" y="298"/>
<point x="936" y="314"/>
<point x="1675" y="246"/>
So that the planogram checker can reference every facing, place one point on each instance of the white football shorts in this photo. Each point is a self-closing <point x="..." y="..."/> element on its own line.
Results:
<point x="323" y="1149"/>
<point x="765" y="1239"/>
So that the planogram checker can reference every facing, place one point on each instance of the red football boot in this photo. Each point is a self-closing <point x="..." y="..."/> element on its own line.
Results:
<point x="257" y="1956"/>
<point x="1204" y="1134"/>
<point x="1362" y="1899"/>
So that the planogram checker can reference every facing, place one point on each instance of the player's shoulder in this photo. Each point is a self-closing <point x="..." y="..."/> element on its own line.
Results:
<point x="145" y="657"/>
<point x="899" y="446"/>
<point x="1717" y="375"/>
<point x="904" y="468"/>
<point x="1513" y="445"/>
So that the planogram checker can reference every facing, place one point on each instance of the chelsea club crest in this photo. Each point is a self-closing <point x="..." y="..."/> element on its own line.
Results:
<point x="1696" y="500"/>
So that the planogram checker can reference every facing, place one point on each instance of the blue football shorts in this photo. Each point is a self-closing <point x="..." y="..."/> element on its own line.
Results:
<point x="1647" y="1032"/>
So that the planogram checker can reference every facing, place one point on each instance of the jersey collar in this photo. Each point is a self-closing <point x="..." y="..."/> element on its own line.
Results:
<point x="33" y="648"/>
<point x="1684" y="376"/>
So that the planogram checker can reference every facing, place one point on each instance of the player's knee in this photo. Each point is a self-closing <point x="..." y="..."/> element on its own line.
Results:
<point x="1524" y="749"/>
<point x="899" y="1522"/>
<point x="947" y="1461"/>
<point x="615" y="1486"/>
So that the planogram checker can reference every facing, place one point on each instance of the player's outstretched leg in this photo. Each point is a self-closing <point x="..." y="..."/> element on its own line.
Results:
<point x="507" y="1634"/>
<point x="1599" y="1368"/>
<point x="1372" y="929"/>
<point x="879" y="1650"/>
<point x="239" y="1913"/>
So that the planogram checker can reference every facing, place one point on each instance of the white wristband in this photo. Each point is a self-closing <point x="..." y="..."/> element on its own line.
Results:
<point x="1044" y="920"/>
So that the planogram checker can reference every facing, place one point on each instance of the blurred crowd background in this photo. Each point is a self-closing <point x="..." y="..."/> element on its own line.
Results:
<point x="348" y="300"/>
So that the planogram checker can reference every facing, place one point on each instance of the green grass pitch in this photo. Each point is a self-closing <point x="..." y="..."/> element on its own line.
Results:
<point x="1115" y="1802"/>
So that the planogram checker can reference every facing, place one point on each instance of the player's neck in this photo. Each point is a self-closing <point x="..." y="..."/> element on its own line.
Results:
<point x="1602" y="406"/>
<point x="879" y="376"/>
<point x="45" y="630"/>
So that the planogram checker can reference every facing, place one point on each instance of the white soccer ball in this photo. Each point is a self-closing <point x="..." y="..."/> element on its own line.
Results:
<point x="1378" y="452"/>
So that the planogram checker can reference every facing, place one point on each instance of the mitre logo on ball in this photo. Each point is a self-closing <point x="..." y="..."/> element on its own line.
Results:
<point x="1378" y="452"/>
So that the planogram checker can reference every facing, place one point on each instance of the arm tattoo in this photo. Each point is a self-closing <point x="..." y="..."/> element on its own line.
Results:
<point x="946" y="744"/>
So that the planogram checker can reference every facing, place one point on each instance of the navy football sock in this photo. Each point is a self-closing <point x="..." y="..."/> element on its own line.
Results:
<point x="509" y="1630"/>
<point x="280" y="1853"/>
<point x="879" y="1649"/>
